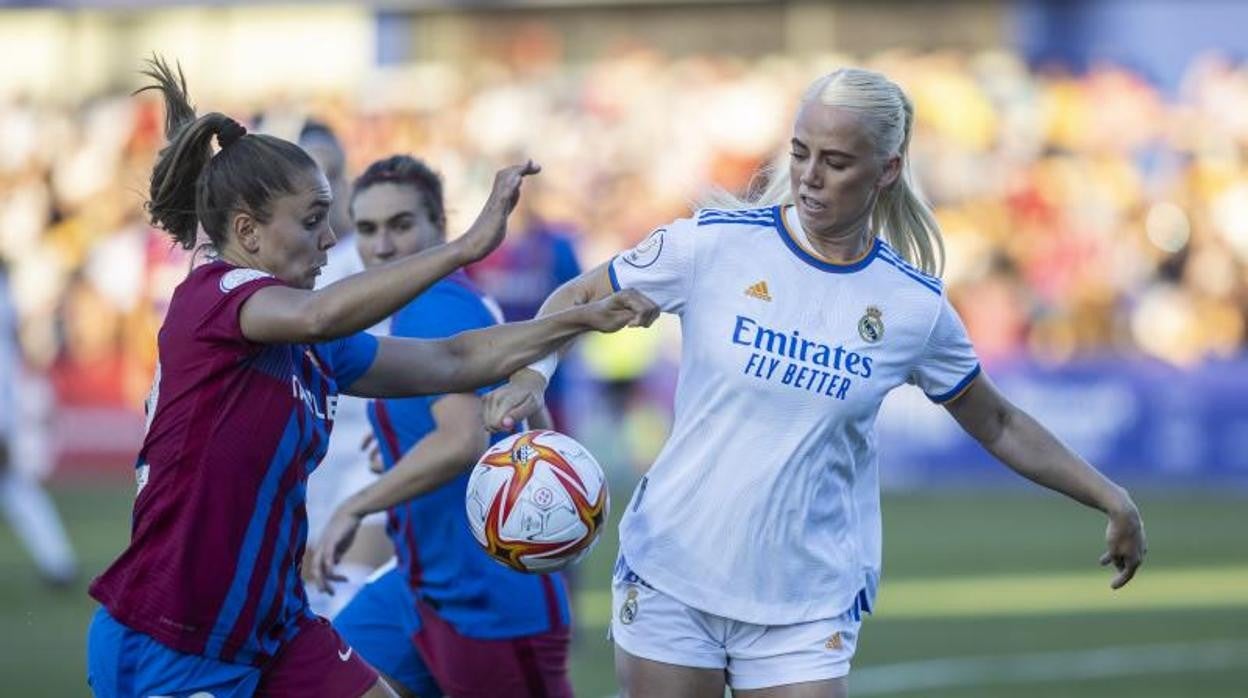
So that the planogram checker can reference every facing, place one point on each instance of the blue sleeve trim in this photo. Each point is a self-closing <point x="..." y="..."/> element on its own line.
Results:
<point x="928" y="282"/>
<point x="615" y="281"/>
<point x="957" y="389"/>
<point x="364" y="347"/>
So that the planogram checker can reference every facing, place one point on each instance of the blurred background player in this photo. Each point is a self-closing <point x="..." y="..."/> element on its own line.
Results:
<point x="345" y="469"/>
<point x="447" y="609"/>
<point x="206" y="598"/>
<point x="799" y="314"/>
<point x="23" y="502"/>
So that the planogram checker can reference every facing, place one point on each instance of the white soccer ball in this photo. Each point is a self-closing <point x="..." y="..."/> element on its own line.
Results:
<point x="536" y="501"/>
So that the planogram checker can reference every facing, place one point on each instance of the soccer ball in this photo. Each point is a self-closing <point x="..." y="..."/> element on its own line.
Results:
<point x="536" y="501"/>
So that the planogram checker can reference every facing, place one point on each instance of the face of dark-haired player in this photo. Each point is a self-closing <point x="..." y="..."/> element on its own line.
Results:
<point x="293" y="244"/>
<point x="391" y="222"/>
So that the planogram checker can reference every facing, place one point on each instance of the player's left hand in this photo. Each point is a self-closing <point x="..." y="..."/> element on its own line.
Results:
<point x="335" y="540"/>
<point x="1125" y="544"/>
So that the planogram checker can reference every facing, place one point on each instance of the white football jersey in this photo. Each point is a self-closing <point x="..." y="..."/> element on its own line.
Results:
<point x="764" y="504"/>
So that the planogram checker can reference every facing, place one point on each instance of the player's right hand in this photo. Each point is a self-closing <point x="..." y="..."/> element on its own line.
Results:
<point x="517" y="399"/>
<point x="488" y="230"/>
<point x="1125" y="544"/>
<point x="333" y="543"/>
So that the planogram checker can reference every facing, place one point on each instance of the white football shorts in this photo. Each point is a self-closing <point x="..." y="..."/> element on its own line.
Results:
<point x="649" y="624"/>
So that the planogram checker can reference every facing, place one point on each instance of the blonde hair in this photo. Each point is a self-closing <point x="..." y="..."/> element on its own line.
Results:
<point x="901" y="216"/>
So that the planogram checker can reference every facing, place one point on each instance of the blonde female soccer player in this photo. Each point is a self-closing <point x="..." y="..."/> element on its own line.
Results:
<point x="751" y="549"/>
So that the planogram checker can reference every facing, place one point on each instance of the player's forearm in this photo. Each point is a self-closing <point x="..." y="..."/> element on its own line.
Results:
<point x="489" y="355"/>
<point x="362" y="300"/>
<point x="585" y="288"/>
<point x="1034" y="452"/>
<point x="432" y="462"/>
<point x="591" y="286"/>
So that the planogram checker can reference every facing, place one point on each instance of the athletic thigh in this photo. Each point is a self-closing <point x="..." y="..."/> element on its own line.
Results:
<point x="646" y="678"/>
<point x="831" y="688"/>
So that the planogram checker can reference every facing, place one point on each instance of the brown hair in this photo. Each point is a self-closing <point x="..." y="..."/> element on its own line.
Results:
<point x="405" y="169"/>
<point x="192" y="186"/>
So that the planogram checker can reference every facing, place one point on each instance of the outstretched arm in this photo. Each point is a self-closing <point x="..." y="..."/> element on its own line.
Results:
<point x="473" y="359"/>
<point x="1023" y="444"/>
<point x="283" y="314"/>
<point x="524" y="395"/>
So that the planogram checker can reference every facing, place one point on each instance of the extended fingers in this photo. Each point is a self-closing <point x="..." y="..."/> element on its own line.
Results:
<point x="510" y="177"/>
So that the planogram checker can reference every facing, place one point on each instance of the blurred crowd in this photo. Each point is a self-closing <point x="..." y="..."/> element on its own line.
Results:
<point x="1084" y="215"/>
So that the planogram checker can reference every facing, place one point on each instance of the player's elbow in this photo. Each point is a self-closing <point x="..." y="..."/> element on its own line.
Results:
<point x="317" y="320"/>
<point x="471" y="443"/>
<point x="996" y="425"/>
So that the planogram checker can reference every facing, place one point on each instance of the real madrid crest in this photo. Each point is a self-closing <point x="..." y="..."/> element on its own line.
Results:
<point x="871" y="326"/>
<point x="628" y="609"/>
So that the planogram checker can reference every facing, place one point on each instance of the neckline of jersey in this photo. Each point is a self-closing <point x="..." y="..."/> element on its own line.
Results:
<point x="782" y="227"/>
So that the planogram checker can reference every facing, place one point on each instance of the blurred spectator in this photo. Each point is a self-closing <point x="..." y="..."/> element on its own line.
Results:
<point x="1084" y="214"/>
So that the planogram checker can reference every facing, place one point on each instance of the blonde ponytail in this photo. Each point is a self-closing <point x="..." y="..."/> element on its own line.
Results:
<point x="902" y="217"/>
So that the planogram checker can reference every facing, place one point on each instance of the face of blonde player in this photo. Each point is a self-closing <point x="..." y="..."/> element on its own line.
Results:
<point x="293" y="244"/>
<point x="835" y="172"/>
<point x="391" y="221"/>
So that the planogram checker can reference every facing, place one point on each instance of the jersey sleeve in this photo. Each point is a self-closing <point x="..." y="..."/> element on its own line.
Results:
<point x="661" y="266"/>
<point x="948" y="363"/>
<point x="441" y="313"/>
<point x="349" y="357"/>
<point x="566" y="267"/>
<point x="224" y="303"/>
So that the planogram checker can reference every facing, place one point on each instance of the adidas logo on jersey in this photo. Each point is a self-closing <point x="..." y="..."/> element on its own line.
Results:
<point x="759" y="291"/>
<point x="834" y="642"/>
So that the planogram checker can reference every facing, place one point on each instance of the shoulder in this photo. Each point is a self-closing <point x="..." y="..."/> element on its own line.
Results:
<point x="453" y="303"/>
<point x="231" y="279"/>
<point x="765" y="217"/>
<point x="218" y="281"/>
<point x="906" y="273"/>
<point x="459" y="291"/>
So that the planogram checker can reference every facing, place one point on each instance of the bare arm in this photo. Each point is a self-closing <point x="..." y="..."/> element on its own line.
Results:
<point x="453" y="446"/>
<point x="284" y="314"/>
<point x="473" y="359"/>
<point x="1020" y="442"/>
<point x="524" y="394"/>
